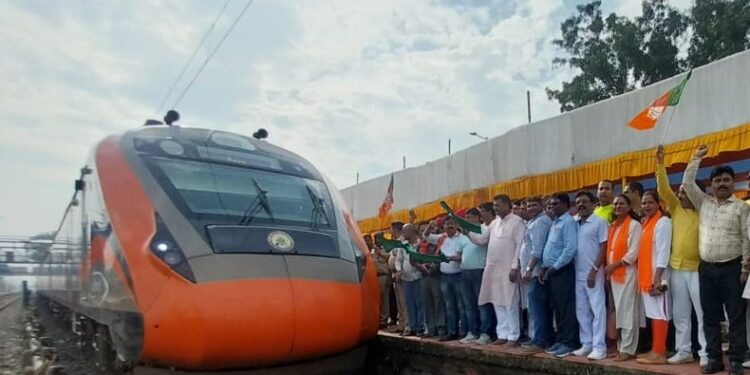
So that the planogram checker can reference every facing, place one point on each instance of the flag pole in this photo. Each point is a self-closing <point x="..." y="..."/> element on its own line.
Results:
<point x="666" y="127"/>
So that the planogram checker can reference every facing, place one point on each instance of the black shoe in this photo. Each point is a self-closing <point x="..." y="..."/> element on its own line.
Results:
<point x="735" y="368"/>
<point x="448" y="338"/>
<point x="714" y="366"/>
<point x="430" y="335"/>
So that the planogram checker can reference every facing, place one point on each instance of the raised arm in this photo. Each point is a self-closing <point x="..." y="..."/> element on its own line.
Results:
<point x="692" y="190"/>
<point x="432" y="238"/>
<point x="481" y="239"/>
<point x="662" y="182"/>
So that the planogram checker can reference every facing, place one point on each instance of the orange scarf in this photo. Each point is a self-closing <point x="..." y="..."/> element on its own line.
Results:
<point x="645" y="253"/>
<point x="618" y="247"/>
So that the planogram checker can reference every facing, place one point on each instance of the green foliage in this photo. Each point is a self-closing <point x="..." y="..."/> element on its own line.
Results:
<point x="660" y="29"/>
<point x="613" y="54"/>
<point x="598" y="48"/>
<point x="720" y="28"/>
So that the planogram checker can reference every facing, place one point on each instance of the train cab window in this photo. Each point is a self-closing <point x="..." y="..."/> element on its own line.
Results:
<point x="224" y="193"/>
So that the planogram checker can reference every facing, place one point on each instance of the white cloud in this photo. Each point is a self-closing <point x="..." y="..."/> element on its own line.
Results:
<point x="353" y="86"/>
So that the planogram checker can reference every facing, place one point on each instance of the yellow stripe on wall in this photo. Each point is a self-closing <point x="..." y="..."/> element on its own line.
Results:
<point x="630" y="164"/>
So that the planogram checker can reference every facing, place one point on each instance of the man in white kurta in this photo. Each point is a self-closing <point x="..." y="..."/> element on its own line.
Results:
<point x="503" y="237"/>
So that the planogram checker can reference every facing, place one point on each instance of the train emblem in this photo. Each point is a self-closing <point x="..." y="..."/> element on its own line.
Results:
<point x="281" y="241"/>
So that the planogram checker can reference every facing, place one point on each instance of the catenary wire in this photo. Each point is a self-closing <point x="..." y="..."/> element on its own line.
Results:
<point x="192" y="56"/>
<point x="213" y="52"/>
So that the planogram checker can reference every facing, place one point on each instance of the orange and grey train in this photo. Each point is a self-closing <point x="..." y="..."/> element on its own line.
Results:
<point x="201" y="249"/>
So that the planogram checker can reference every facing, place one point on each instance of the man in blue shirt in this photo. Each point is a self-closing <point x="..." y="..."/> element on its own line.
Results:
<point x="540" y="312"/>
<point x="558" y="274"/>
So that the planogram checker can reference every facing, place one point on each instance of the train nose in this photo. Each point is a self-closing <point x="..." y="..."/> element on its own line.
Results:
<point x="256" y="322"/>
<point x="328" y="316"/>
<point x="232" y="324"/>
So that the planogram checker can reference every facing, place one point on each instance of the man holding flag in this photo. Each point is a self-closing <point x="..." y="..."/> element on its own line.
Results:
<point x="724" y="249"/>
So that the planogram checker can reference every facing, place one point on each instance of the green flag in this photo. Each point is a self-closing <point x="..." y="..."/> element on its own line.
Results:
<point x="465" y="225"/>
<point x="416" y="256"/>
<point x="676" y="93"/>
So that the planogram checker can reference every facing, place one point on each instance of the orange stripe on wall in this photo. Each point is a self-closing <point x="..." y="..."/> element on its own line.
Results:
<point x="629" y="164"/>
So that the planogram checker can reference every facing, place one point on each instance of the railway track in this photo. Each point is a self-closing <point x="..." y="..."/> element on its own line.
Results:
<point x="8" y="299"/>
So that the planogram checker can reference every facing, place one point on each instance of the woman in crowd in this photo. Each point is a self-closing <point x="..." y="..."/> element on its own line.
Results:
<point x="622" y="253"/>
<point x="653" y="257"/>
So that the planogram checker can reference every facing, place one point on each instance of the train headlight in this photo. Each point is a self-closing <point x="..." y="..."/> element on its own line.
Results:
<point x="164" y="246"/>
<point x="173" y="258"/>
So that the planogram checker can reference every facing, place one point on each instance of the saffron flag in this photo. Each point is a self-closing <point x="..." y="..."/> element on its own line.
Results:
<point x="648" y="117"/>
<point x="387" y="204"/>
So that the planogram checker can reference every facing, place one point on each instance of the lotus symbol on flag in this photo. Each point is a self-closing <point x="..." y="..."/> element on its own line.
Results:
<point x="655" y="112"/>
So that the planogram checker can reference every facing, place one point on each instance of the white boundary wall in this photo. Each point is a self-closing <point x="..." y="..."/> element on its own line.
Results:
<point x="716" y="98"/>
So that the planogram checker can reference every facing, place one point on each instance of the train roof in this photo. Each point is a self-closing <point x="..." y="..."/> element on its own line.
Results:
<point x="233" y="145"/>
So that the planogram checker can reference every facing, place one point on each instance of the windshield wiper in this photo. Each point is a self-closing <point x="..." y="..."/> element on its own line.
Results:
<point x="260" y="201"/>
<point x="319" y="209"/>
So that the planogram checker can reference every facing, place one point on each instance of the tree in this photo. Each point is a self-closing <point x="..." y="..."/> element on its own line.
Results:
<point x="720" y="28"/>
<point x="660" y="28"/>
<point x="589" y="41"/>
<point x="616" y="54"/>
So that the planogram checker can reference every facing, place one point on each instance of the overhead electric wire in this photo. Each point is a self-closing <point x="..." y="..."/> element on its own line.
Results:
<point x="218" y="45"/>
<point x="190" y="60"/>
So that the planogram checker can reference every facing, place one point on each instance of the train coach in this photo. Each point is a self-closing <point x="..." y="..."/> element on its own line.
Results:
<point x="198" y="249"/>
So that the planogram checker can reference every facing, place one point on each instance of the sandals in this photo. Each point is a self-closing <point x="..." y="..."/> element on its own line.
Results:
<point x="621" y="357"/>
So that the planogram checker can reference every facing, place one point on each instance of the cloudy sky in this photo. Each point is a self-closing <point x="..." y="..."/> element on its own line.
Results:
<point x="351" y="85"/>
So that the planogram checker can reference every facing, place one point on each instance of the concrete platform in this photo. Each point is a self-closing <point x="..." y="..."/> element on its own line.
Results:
<point x="521" y="359"/>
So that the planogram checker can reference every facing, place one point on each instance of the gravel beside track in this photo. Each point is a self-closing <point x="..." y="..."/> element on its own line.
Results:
<point x="70" y="355"/>
<point x="11" y="332"/>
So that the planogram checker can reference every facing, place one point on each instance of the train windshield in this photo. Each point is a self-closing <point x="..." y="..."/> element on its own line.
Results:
<point x="226" y="194"/>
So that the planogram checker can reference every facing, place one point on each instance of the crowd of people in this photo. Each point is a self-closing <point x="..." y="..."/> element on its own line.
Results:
<point x="583" y="280"/>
